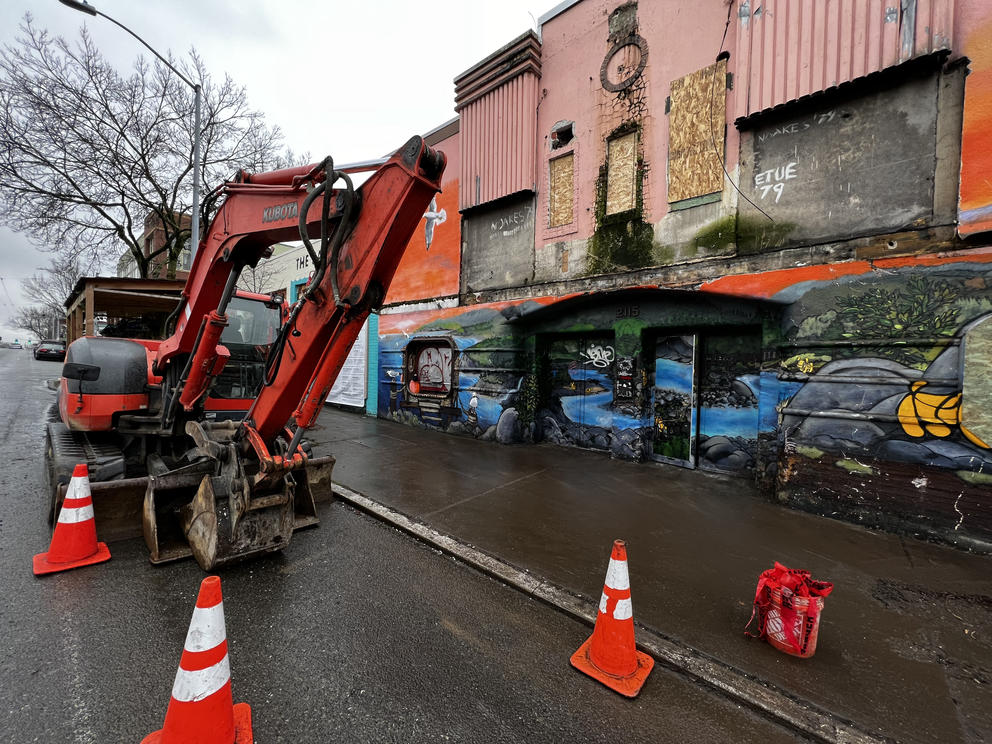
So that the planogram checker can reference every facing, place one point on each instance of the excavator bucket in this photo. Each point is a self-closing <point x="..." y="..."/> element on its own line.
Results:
<point x="116" y="506"/>
<point x="315" y="479"/>
<point x="161" y="520"/>
<point x="222" y="529"/>
<point x="217" y="517"/>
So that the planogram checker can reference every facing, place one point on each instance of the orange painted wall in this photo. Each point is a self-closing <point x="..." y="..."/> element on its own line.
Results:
<point x="424" y="273"/>
<point x="769" y="283"/>
<point x="975" y="208"/>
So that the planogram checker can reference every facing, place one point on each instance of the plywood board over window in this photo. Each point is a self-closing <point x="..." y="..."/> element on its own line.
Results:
<point x="696" y="133"/>
<point x="562" y="191"/>
<point x="621" y="174"/>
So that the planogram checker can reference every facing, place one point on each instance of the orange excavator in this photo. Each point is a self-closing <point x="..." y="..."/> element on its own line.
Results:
<point x="137" y="411"/>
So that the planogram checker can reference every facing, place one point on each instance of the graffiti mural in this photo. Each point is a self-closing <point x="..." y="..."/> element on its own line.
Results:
<point x="460" y="370"/>
<point x="937" y="415"/>
<point x="578" y="406"/>
<point x="870" y="389"/>
<point x="867" y="371"/>
<point x="888" y="415"/>
<point x="587" y="398"/>
<point x="602" y="378"/>
<point x="707" y="416"/>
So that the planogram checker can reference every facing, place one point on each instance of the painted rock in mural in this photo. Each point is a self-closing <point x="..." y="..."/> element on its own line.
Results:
<point x="902" y="414"/>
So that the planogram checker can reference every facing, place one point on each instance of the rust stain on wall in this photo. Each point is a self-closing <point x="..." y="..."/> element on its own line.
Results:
<point x="562" y="191"/>
<point x="621" y="173"/>
<point x="696" y="136"/>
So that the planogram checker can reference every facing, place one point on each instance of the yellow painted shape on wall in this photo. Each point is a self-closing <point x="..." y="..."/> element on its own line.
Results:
<point x="935" y="413"/>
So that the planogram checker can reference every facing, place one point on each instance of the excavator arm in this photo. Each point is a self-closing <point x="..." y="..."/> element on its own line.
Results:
<point x="363" y="234"/>
<point x="252" y="476"/>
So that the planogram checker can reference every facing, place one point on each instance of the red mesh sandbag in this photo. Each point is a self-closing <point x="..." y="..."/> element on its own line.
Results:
<point x="787" y="603"/>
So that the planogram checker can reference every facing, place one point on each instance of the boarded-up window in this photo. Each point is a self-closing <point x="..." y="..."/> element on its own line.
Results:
<point x="621" y="173"/>
<point x="562" y="191"/>
<point x="695" y="139"/>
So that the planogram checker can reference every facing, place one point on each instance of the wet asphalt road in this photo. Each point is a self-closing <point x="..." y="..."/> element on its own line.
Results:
<point x="356" y="633"/>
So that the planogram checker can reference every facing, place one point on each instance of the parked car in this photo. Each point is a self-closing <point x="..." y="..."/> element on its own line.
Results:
<point x="51" y="350"/>
<point x="16" y="346"/>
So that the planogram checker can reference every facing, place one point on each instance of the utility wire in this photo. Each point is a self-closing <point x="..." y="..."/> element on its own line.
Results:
<point x="10" y="300"/>
<point x="716" y="151"/>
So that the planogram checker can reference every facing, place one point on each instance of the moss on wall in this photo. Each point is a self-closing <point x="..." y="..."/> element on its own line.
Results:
<point x="664" y="255"/>
<point x="716" y="235"/>
<point x="759" y="234"/>
<point x="621" y="241"/>
<point x="627" y="336"/>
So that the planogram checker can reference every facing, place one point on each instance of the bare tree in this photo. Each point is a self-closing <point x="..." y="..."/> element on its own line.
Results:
<point x="51" y="286"/>
<point x="86" y="154"/>
<point x="259" y="280"/>
<point x="36" y="320"/>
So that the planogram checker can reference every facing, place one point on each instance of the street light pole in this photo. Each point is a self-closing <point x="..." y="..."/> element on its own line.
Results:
<point x="85" y="7"/>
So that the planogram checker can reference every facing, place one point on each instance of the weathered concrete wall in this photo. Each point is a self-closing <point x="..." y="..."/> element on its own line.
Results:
<point x="841" y="168"/>
<point x="562" y="259"/>
<point x="498" y="245"/>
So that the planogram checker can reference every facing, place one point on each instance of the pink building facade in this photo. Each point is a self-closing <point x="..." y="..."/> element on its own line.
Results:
<point x="750" y="237"/>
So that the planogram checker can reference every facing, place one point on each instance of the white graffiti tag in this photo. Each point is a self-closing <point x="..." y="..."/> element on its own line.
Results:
<point x="433" y="218"/>
<point x="600" y="356"/>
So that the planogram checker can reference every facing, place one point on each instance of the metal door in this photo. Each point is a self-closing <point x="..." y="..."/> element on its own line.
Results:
<point x="582" y="380"/>
<point x="728" y="400"/>
<point x="673" y="400"/>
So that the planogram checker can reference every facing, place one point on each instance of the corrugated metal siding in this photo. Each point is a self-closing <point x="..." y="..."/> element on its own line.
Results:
<point x="787" y="49"/>
<point x="497" y="144"/>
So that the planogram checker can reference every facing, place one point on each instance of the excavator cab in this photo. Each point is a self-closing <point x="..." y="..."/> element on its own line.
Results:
<point x="253" y="326"/>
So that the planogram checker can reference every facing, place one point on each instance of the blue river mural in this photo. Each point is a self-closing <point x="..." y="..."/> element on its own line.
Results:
<point x="691" y="399"/>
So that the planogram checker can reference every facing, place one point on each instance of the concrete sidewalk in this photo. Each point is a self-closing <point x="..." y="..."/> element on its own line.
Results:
<point x="905" y="646"/>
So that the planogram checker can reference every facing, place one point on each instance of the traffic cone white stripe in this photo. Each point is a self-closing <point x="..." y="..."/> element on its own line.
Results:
<point x="616" y="576"/>
<point x="624" y="610"/>
<point x="191" y="686"/>
<point x="206" y="629"/>
<point x="602" y="603"/>
<point x="79" y="488"/>
<point x="74" y="515"/>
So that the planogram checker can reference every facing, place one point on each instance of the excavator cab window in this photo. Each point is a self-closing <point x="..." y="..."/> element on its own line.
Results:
<point x="252" y="327"/>
<point x="251" y="323"/>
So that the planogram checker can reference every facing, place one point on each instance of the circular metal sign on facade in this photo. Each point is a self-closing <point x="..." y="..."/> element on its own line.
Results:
<point x="624" y="63"/>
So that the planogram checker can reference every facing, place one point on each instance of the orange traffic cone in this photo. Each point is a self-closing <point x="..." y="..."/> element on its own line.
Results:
<point x="202" y="710"/>
<point x="610" y="655"/>
<point x="74" y="542"/>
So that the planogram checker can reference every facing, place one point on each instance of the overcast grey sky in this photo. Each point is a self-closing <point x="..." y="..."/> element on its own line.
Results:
<point x="349" y="79"/>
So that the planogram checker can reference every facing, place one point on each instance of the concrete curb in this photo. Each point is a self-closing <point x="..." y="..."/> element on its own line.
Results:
<point x="771" y="701"/>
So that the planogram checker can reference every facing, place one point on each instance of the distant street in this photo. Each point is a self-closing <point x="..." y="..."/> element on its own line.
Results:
<point x="355" y="633"/>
